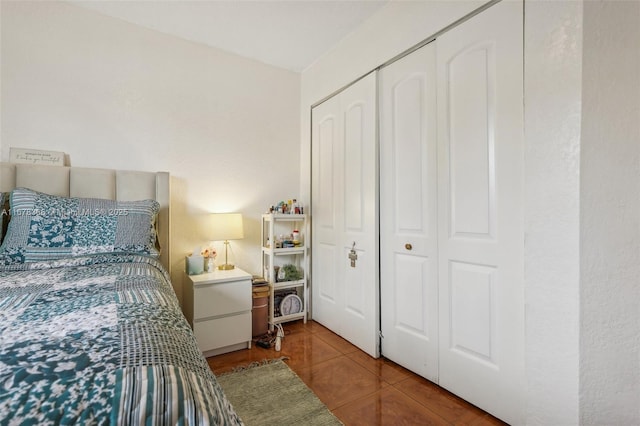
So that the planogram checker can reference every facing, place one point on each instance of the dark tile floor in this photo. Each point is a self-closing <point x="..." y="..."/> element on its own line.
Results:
<point x="358" y="389"/>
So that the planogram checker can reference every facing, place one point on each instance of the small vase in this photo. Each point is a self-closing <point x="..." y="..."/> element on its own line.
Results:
<point x="211" y="266"/>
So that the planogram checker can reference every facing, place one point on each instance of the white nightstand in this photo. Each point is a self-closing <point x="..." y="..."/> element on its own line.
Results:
<point x="218" y="306"/>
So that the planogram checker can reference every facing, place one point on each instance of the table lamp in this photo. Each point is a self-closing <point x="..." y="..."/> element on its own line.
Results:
<point x="225" y="227"/>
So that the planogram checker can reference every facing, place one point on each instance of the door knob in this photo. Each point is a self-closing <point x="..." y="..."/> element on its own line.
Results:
<point x="408" y="246"/>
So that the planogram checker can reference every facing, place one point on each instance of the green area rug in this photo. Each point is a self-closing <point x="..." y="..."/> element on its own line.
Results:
<point x="272" y="394"/>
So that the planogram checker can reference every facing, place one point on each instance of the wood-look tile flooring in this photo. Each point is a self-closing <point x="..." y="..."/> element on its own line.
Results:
<point x="358" y="389"/>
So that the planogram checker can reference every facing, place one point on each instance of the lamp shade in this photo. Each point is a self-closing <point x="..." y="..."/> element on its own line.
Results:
<point x="226" y="226"/>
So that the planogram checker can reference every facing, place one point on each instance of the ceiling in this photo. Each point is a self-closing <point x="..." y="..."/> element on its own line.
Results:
<point x="289" y="34"/>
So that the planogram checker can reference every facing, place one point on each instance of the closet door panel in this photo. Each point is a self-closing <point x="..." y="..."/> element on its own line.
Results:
<point x="344" y="215"/>
<point x="326" y="285"/>
<point x="408" y="222"/>
<point x="471" y="137"/>
<point x="411" y="317"/>
<point x="327" y="133"/>
<point x="408" y="122"/>
<point x="360" y="233"/>
<point x="354" y="134"/>
<point x="472" y="314"/>
<point x="355" y="297"/>
<point x="354" y="220"/>
<point x="481" y="236"/>
<point x="327" y="145"/>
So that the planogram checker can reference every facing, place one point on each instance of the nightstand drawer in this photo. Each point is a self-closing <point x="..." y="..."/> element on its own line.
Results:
<point x="213" y="300"/>
<point x="221" y="332"/>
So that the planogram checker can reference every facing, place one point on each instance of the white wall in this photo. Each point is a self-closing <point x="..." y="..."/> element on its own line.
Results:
<point x="610" y="215"/>
<point x="553" y="104"/>
<point x="115" y="95"/>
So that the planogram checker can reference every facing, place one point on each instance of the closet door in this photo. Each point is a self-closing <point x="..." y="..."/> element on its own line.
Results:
<point x="408" y="212"/>
<point x="327" y="147"/>
<point x="344" y="215"/>
<point x="481" y="234"/>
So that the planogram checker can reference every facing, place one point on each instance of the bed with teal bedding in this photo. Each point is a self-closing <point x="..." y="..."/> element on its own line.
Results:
<point x="91" y="331"/>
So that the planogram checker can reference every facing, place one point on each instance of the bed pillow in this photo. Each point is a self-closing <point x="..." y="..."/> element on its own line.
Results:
<point x="45" y="227"/>
<point x="4" y="214"/>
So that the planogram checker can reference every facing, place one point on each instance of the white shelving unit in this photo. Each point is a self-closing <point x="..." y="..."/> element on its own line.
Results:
<point x="273" y="226"/>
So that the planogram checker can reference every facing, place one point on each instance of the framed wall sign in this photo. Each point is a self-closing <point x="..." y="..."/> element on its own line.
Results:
<point x="36" y="156"/>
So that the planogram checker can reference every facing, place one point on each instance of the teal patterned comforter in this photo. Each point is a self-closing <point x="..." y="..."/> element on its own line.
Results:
<point x="100" y="340"/>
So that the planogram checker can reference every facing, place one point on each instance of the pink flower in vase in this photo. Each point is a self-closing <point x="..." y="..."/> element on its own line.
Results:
<point x="209" y="253"/>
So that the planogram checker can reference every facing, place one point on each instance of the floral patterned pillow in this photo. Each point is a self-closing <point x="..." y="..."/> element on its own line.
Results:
<point x="45" y="227"/>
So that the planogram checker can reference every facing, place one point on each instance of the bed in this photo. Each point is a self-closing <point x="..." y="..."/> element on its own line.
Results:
<point x="91" y="331"/>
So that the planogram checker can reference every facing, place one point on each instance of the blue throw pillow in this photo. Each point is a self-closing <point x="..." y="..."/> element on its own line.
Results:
<point x="46" y="227"/>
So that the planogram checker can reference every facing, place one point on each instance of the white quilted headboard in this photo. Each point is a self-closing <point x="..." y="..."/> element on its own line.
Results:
<point x="109" y="184"/>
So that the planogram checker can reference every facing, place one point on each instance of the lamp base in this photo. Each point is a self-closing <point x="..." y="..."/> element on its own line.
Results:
<point x="226" y="267"/>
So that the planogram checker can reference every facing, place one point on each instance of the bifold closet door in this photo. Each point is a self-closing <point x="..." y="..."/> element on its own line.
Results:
<point x="408" y="212"/>
<point x="451" y="214"/>
<point x="344" y="201"/>
<point x="480" y="210"/>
